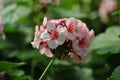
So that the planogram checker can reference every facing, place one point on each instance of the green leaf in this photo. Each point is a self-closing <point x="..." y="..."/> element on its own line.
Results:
<point x="16" y="72"/>
<point x="13" y="12"/>
<point x="116" y="13"/>
<point x="61" y="12"/>
<point x="5" y="65"/>
<point x="68" y="4"/>
<point x="111" y="78"/>
<point x="108" y="41"/>
<point x="115" y="74"/>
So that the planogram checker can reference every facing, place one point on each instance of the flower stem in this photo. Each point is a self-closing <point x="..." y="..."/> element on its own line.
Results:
<point x="50" y="63"/>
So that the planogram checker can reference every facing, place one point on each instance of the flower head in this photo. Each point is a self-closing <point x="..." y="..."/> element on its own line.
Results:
<point x="68" y="36"/>
<point x="106" y="7"/>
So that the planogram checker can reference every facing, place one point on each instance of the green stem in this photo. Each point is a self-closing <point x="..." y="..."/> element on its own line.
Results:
<point x="50" y="63"/>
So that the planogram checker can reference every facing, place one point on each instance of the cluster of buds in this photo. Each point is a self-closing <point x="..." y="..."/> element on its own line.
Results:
<point x="106" y="7"/>
<point x="62" y="38"/>
<point x="45" y="2"/>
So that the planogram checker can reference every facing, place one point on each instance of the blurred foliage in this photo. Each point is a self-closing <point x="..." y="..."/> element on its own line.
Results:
<point x="8" y="65"/>
<point x="116" y="74"/>
<point x="20" y="61"/>
<point x="110" y="41"/>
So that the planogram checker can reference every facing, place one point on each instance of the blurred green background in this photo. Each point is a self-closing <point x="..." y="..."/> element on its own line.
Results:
<point x="20" y="61"/>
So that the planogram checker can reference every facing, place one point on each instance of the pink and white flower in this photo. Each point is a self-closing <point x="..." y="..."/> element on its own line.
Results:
<point x="54" y="35"/>
<point x="68" y="35"/>
<point x="38" y="32"/>
<point x="45" y="49"/>
<point x="38" y="42"/>
<point x="37" y="39"/>
<point x="81" y="46"/>
<point x="75" y="28"/>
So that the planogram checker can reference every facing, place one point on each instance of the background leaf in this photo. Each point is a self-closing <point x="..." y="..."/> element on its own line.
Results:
<point x="116" y="74"/>
<point x="5" y="65"/>
<point x="108" y="41"/>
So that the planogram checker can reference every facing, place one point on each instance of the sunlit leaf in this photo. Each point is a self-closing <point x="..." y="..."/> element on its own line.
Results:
<point x="108" y="41"/>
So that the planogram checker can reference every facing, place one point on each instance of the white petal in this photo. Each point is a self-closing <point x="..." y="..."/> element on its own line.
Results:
<point x="91" y="34"/>
<point x="52" y="44"/>
<point x="45" y="36"/>
<point x="61" y="29"/>
<point x="36" y="28"/>
<point x="75" y="45"/>
<point x="71" y="36"/>
<point x="50" y="26"/>
<point x="44" y="20"/>
<point x="36" y="44"/>
<point x="48" y="53"/>
<point x="83" y="51"/>
<point x="68" y="22"/>
<point x="42" y="50"/>
<point x="61" y="39"/>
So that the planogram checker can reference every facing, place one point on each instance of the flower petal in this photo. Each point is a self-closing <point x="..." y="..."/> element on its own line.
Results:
<point x="50" y="26"/>
<point x="36" y="28"/>
<point x="42" y="49"/>
<point x="45" y="36"/>
<point x="83" y="51"/>
<point x="52" y="44"/>
<point x="75" y="45"/>
<point x="61" y="29"/>
<point x="48" y="53"/>
<point x="36" y="44"/>
<point x="91" y="34"/>
<point x="61" y="39"/>
<point x="45" y="21"/>
<point x="68" y="22"/>
<point x="45" y="50"/>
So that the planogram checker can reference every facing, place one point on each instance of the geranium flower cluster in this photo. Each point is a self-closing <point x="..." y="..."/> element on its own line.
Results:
<point x="63" y="37"/>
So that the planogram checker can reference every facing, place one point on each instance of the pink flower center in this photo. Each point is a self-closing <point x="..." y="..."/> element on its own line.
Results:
<point x="82" y="43"/>
<point x="54" y="34"/>
<point x="70" y="28"/>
